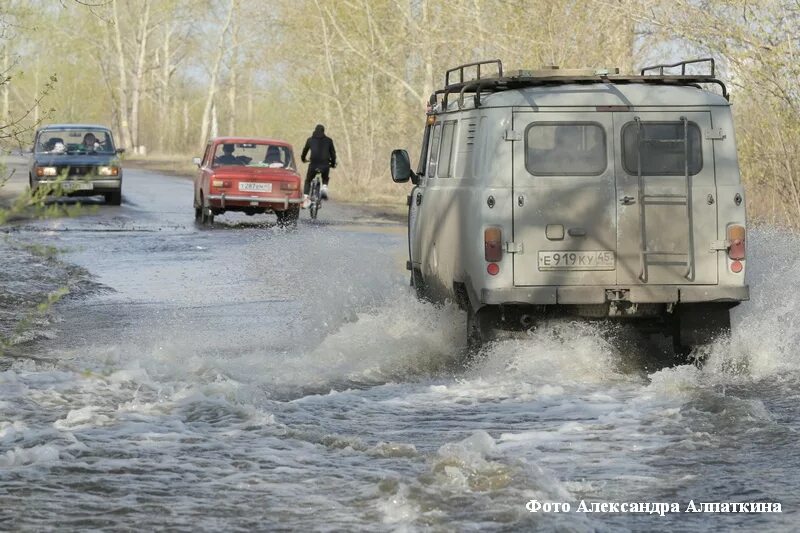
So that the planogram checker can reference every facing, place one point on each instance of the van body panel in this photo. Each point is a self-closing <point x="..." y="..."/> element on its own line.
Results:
<point x="494" y="179"/>
<point x="661" y="239"/>
<point x="560" y="211"/>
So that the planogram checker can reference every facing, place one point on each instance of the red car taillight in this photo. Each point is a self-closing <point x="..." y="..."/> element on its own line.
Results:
<point x="290" y="185"/>
<point x="222" y="184"/>
<point x="736" y="246"/>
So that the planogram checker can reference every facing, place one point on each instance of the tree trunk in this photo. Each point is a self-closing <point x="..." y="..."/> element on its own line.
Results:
<point x="36" y="92"/>
<point x="333" y="83"/>
<point x="138" y="80"/>
<point x="185" y="141"/>
<point x="124" y="126"/>
<point x="232" y="105"/>
<point x="164" y="95"/>
<point x="234" y="69"/>
<point x="214" y="121"/>
<point x="6" y="88"/>
<point x="250" y="101"/>
<point x="212" y="82"/>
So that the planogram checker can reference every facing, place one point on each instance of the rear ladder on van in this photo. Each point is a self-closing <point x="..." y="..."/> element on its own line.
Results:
<point x="675" y="258"/>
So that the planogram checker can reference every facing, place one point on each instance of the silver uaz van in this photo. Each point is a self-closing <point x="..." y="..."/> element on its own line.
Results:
<point x="580" y="192"/>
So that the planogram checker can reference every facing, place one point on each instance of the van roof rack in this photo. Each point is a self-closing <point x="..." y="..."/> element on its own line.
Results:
<point x="496" y="81"/>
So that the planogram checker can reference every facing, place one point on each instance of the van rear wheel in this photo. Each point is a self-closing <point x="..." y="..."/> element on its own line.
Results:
<point x="695" y="325"/>
<point x="482" y="327"/>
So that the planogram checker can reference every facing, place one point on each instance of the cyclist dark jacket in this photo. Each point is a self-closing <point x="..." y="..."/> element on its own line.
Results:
<point x="323" y="154"/>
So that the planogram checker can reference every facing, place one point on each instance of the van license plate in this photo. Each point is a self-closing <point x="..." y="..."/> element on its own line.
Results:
<point x="575" y="260"/>
<point x="257" y="187"/>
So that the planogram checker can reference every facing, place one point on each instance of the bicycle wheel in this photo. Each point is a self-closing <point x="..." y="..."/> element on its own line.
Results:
<point x="313" y="209"/>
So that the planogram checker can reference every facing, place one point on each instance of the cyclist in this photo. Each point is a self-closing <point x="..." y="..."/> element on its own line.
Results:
<point x="323" y="158"/>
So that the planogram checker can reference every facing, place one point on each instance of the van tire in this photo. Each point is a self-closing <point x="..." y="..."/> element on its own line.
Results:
<point x="474" y="337"/>
<point x="696" y="325"/>
<point x="418" y="282"/>
<point x="482" y="327"/>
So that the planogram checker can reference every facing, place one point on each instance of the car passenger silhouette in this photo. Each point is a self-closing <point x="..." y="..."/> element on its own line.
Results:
<point x="274" y="155"/>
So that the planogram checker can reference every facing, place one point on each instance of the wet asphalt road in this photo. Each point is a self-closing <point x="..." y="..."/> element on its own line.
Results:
<point x="247" y="377"/>
<point x="155" y="263"/>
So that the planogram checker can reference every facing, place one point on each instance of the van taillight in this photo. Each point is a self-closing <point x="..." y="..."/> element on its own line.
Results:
<point x="493" y="244"/>
<point x="736" y="246"/>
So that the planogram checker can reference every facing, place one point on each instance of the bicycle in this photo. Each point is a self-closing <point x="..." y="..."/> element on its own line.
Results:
<point x="315" y="194"/>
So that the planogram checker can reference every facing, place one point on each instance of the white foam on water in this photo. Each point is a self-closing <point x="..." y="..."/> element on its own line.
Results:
<point x="765" y="338"/>
<point x="402" y="339"/>
<point x="555" y="416"/>
<point x="556" y="358"/>
<point x="399" y="509"/>
<point x="36" y="455"/>
<point x="399" y="340"/>
<point x="556" y="353"/>
<point x="12" y="431"/>
<point x="83" y="418"/>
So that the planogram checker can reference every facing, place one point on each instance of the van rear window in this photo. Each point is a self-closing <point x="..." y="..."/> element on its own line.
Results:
<point x="565" y="149"/>
<point x="663" y="150"/>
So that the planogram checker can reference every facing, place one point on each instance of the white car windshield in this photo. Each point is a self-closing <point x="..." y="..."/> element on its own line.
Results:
<point x="72" y="141"/>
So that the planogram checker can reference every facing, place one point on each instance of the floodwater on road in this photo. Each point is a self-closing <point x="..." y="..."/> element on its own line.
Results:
<point x="252" y="378"/>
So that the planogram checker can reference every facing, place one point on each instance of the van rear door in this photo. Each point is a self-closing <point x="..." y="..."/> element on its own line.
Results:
<point x="666" y="192"/>
<point x="564" y="198"/>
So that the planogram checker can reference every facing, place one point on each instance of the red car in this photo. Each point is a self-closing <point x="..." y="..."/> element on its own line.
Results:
<point x="249" y="175"/>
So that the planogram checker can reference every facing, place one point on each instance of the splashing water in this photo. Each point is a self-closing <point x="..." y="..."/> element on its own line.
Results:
<point x="373" y="420"/>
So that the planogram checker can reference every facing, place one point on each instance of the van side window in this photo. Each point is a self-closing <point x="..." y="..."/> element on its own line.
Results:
<point x="433" y="152"/>
<point x="663" y="151"/>
<point x="565" y="149"/>
<point x="423" y="153"/>
<point x="446" y="155"/>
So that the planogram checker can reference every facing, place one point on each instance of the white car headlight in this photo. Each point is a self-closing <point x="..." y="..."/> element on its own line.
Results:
<point x="108" y="171"/>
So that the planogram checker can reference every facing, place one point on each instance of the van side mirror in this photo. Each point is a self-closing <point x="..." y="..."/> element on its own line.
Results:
<point x="120" y="150"/>
<point x="196" y="161"/>
<point x="401" y="166"/>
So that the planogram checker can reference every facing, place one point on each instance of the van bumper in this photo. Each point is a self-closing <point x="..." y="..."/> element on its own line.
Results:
<point x="576" y="295"/>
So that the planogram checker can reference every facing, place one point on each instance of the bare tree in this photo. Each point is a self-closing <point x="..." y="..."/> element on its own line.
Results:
<point x="212" y="88"/>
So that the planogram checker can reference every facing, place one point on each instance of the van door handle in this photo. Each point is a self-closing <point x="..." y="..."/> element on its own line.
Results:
<point x="627" y="200"/>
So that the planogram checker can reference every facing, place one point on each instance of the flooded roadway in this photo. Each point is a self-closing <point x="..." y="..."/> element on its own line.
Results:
<point x="250" y="378"/>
